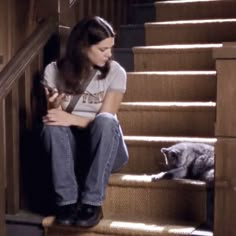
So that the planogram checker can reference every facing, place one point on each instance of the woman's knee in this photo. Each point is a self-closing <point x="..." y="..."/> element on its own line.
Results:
<point x="53" y="130"/>
<point x="106" y="120"/>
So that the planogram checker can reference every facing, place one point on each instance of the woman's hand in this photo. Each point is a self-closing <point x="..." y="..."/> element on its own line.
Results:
<point x="54" y="98"/>
<point x="58" y="117"/>
<point x="63" y="118"/>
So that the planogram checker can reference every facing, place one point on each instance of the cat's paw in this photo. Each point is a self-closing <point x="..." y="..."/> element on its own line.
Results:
<point x="158" y="176"/>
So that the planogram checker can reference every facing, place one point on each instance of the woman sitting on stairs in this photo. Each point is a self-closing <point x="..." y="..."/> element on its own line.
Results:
<point x="81" y="133"/>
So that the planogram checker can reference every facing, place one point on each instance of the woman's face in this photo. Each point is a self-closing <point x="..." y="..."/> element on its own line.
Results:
<point x="100" y="53"/>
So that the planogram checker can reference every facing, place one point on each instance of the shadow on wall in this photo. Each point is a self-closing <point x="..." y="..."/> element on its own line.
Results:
<point x="36" y="183"/>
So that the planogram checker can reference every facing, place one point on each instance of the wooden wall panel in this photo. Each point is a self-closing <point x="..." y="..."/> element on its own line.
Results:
<point x="225" y="211"/>
<point x="67" y="15"/>
<point x="114" y="11"/>
<point x="226" y="96"/>
<point x="5" y="22"/>
<point x="18" y="19"/>
<point x="225" y="158"/>
<point x="225" y="190"/>
<point x="40" y="10"/>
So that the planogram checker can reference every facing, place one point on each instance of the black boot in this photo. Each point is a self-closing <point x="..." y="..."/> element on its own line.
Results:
<point x="66" y="215"/>
<point x="89" y="215"/>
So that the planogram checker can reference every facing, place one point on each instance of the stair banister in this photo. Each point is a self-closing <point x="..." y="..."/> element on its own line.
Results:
<point x="15" y="97"/>
<point x="225" y="130"/>
<point x="18" y="64"/>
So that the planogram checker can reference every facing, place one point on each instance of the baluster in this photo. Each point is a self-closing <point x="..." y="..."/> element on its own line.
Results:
<point x="2" y="167"/>
<point x="12" y="146"/>
<point x="28" y="88"/>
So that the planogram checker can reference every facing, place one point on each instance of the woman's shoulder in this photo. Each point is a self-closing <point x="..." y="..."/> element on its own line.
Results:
<point x="117" y="68"/>
<point x="51" y="72"/>
<point x="52" y="66"/>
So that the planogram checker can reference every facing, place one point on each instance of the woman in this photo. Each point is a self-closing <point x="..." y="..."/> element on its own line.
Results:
<point x="86" y="145"/>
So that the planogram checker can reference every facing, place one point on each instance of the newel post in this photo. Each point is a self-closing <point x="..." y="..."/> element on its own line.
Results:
<point x="225" y="131"/>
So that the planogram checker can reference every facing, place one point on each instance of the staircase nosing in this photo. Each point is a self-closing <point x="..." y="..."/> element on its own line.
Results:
<point x="173" y="73"/>
<point x="188" y="2"/>
<point x="188" y="23"/>
<point x="168" y="106"/>
<point x="145" y="181"/>
<point x="177" y="47"/>
<point x="125" y="228"/>
<point x="152" y="140"/>
<point x="24" y="217"/>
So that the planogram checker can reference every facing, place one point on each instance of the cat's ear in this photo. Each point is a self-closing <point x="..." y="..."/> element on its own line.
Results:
<point x="165" y="150"/>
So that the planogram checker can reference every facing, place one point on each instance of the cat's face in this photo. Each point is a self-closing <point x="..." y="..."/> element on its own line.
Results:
<point x="172" y="157"/>
<point x="180" y="154"/>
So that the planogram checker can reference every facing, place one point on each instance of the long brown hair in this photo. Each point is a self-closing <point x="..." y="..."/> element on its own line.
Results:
<point x="75" y="65"/>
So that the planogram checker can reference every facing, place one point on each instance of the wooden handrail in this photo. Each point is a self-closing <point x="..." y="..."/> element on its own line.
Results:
<point x="17" y="65"/>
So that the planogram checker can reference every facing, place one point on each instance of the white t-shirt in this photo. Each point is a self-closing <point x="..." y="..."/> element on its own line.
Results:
<point x="91" y="100"/>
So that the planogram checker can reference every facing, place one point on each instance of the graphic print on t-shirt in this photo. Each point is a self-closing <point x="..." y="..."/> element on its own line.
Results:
<point x="93" y="98"/>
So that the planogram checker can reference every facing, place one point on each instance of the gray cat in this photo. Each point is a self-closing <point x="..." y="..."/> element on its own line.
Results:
<point x="195" y="161"/>
<point x="188" y="161"/>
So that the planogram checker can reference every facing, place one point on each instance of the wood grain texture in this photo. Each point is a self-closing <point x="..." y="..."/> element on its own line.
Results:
<point x="2" y="167"/>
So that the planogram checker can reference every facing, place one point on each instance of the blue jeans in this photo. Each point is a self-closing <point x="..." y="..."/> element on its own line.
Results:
<point x="83" y="159"/>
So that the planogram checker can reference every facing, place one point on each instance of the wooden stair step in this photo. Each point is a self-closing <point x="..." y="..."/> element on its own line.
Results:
<point x="114" y="227"/>
<point x="171" y="86"/>
<point x="145" y="156"/>
<point x="190" y="9"/>
<point x="175" y="57"/>
<point x="135" y="196"/>
<point x="190" y="31"/>
<point x="168" y="118"/>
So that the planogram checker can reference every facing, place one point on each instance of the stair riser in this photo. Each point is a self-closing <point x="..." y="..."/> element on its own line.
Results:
<point x="146" y="157"/>
<point x="195" y="10"/>
<point x="160" y="203"/>
<point x="125" y="58"/>
<point x="131" y="36"/>
<point x="151" y="87"/>
<point x="169" y="60"/>
<point x="190" y="33"/>
<point x="168" y="123"/>
<point x="141" y="13"/>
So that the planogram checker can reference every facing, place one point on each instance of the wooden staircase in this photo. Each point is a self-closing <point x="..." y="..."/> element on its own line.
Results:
<point x="170" y="98"/>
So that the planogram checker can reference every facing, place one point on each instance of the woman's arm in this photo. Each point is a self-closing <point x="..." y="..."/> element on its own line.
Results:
<point x="112" y="102"/>
<point x="62" y="118"/>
